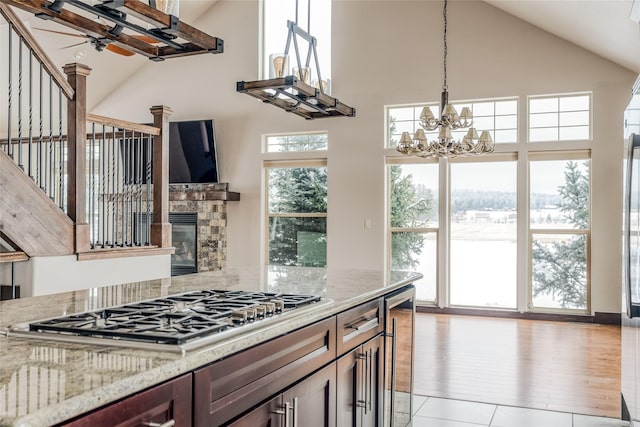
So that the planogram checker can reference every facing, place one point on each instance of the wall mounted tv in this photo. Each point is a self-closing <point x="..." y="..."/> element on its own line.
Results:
<point x="192" y="152"/>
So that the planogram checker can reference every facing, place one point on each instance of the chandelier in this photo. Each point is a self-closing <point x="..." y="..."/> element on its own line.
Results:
<point x="445" y="145"/>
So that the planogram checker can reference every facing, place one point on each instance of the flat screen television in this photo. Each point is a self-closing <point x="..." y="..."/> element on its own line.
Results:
<point x="192" y="152"/>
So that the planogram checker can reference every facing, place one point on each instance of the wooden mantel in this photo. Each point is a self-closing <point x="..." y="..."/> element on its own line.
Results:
<point x="197" y="192"/>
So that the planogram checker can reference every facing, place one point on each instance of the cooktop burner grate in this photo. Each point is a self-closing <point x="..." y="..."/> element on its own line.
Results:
<point x="176" y="319"/>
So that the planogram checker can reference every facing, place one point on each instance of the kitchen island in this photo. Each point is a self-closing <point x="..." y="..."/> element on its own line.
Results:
<point x="45" y="383"/>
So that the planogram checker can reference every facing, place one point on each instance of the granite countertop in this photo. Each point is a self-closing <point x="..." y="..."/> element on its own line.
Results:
<point x="44" y="382"/>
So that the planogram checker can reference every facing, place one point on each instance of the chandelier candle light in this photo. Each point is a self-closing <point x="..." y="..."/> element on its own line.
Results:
<point x="445" y="145"/>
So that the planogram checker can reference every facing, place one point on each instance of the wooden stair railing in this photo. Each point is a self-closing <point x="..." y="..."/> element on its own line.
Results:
<point x="35" y="141"/>
<point x="37" y="50"/>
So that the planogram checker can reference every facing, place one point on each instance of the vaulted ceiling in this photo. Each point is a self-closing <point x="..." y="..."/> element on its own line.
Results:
<point x="600" y="26"/>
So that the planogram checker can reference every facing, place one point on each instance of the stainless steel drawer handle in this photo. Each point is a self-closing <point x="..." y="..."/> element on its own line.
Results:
<point x="295" y="412"/>
<point x="169" y="423"/>
<point x="366" y="325"/>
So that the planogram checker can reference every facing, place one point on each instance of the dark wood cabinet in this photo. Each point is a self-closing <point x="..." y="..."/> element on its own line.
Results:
<point x="327" y="374"/>
<point x="232" y="386"/>
<point x="313" y="401"/>
<point x="167" y="405"/>
<point x="269" y="414"/>
<point x="310" y="403"/>
<point x="359" y="385"/>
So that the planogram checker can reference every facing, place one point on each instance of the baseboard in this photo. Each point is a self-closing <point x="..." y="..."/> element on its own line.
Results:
<point x="598" y="317"/>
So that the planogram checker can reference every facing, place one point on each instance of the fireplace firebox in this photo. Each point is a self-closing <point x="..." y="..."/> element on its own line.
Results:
<point x="184" y="235"/>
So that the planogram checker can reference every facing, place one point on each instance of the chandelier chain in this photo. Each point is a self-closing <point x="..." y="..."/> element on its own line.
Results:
<point x="446" y="144"/>
<point x="444" y="13"/>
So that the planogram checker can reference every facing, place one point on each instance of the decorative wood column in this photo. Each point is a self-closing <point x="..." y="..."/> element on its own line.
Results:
<point x="77" y="153"/>
<point x="161" y="228"/>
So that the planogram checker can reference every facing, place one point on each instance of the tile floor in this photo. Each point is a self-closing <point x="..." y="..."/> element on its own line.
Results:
<point x="437" y="412"/>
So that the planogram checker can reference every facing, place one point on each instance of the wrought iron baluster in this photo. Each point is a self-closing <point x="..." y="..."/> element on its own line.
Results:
<point x="139" y="165"/>
<point x="10" y="92"/>
<point x="116" y="194"/>
<point x="30" y="112"/>
<point x="40" y="133"/>
<point x="125" y="192"/>
<point x="148" y="173"/>
<point x="49" y="184"/>
<point x="62" y="188"/>
<point x="109" y="188"/>
<point x="20" y="103"/>
<point x="103" y="186"/>
<point x="92" y="189"/>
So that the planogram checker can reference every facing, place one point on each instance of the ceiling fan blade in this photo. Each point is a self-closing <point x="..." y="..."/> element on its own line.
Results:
<point x="74" y="45"/>
<point x="119" y="50"/>
<point x="60" y="32"/>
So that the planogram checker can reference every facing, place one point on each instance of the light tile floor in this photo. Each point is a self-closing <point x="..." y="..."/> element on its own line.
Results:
<point x="437" y="412"/>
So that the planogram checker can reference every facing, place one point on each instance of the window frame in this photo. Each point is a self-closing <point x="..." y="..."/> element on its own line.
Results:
<point x="399" y="161"/>
<point x="435" y="107"/>
<point x="524" y="153"/>
<point x="578" y="155"/>
<point x="293" y="159"/>
<point x="323" y="40"/>
<point x="558" y="96"/>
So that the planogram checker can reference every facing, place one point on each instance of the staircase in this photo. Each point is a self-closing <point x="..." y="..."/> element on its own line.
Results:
<point x="28" y="217"/>
<point x="73" y="183"/>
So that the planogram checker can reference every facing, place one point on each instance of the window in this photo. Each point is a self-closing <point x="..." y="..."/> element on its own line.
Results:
<point x="483" y="234"/>
<point x="559" y="232"/>
<point x="560" y="118"/>
<point x="518" y="220"/>
<point x="413" y="218"/>
<point x="499" y="117"/>
<point x="275" y="15"/>
<point x="296" y="200"/>
<point x="306" y="142"/>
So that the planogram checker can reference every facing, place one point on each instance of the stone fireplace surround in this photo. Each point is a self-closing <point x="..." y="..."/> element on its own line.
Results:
<point x="209" y="201"/>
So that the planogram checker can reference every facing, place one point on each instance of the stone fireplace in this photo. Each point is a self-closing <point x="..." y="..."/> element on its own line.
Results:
<point x="207" y="204"/>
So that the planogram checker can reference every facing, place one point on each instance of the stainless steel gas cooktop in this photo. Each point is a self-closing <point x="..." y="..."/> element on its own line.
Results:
<point x="176" y="323"/>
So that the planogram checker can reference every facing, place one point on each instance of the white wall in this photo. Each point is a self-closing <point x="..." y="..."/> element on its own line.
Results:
<point x="49" y="275"/>
<point x="384" y="52"/>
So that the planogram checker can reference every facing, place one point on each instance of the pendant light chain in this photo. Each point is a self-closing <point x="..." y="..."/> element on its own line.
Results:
<point x="446" y="144"/>
<point x="444" y="13"/>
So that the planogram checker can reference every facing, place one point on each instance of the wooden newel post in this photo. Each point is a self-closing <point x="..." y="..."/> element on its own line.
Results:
<point x="161" y="228"/>
<point x="77" y="154"/>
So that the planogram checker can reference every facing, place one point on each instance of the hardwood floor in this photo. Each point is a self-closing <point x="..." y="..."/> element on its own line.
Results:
<point x="559" y="366"/>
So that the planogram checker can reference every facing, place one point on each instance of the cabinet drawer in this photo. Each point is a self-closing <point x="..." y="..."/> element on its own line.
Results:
<point x="155" y="406"/>
<point x="358" y="324"/>
<point x="226" y="389"/>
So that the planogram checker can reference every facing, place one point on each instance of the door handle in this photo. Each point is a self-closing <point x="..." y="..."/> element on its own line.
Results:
<point x="284" y="411"/>
<point x="394" y="330"/>
<point x="295" y="412"/>
<point x="361" y="391"/>
<point x="370" y="387"/>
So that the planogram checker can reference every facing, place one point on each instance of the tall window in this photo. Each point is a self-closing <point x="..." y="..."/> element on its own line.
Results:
<point x="296" y="200"/>
<point x="413" y="213"/>
<point x="483" y="234"/>
<point x="276" y="13"/>
<point x="559" y="222"/>
<point x="518" y="228"/>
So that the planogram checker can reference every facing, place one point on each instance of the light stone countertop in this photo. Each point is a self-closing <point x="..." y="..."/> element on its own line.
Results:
<point x="44" y="382"/>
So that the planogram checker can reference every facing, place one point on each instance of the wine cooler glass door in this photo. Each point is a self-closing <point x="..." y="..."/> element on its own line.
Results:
<point x="399" y="343"/>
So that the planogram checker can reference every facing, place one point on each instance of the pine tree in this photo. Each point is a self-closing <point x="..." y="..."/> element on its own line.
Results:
<point x="296" y="240"/>
<point x="559" y="267"/>
<point x="409" y="208"/>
